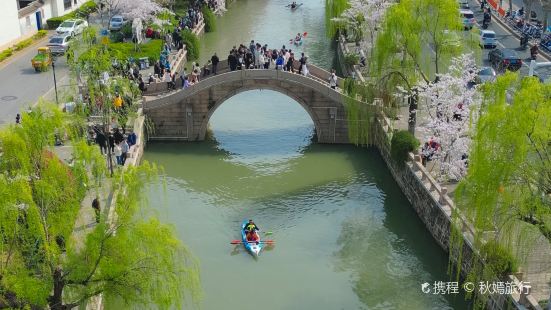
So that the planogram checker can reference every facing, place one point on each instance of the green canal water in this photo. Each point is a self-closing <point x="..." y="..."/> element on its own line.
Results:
<point x="346" y="237"/>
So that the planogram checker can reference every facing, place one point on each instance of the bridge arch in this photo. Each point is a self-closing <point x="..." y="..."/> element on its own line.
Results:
<point x="184" y="114"/>
<point x="235" y="92"/>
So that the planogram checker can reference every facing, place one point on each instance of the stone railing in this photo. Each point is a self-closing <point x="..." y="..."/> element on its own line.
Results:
<point x="438" y="211"/>
<point x="343" y="49"/>
<point x="315" y="73"/>
<point x="311" y="82"/>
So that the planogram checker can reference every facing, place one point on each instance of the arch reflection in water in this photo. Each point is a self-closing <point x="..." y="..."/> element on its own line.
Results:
<point x="262" y="129"/>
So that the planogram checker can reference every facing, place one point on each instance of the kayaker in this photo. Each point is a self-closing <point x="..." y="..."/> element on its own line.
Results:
<point x="251" y="226"/>
<point x="252" y="236"/>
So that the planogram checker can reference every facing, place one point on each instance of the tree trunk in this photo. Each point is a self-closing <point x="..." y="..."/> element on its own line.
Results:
<point x="412" y="120"/>
<point x="55" y="301"/>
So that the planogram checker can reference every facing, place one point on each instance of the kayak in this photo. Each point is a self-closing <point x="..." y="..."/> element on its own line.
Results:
<point x="295" y="7"/>
<point x="252" y="247"/>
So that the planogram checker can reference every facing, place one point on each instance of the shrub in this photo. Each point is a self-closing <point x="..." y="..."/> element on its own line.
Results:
<point x="82" y="12"/>
<point x="40" y="34"/>
<point x="192" y="44"/>
<point x="402" y="143"/>
<point x="498" y="259"/>
<point x="126" y="31"/>
<point x="22" y="44"/>
<point x="351" y="59"/>
<point x="116" y="37"/>
<point x="151" y="50"/>
<point x="5" y="54"/>
<point x="210" y="19"/>
<point x="86" y="9"/>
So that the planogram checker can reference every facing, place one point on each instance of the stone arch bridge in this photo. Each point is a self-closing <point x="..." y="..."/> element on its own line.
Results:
<point x="184" y="114"/>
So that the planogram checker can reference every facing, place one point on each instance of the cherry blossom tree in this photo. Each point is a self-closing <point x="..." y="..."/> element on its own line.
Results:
<point x="451" y="104"/>
<point x="130" y="9"/>
<point x="363" y="18"/>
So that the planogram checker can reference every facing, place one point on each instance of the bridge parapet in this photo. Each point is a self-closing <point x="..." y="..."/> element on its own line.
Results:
<point x="184" y="114"/>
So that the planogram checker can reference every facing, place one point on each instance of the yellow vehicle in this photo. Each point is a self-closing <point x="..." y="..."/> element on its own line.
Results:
<point x="42" y="60"/>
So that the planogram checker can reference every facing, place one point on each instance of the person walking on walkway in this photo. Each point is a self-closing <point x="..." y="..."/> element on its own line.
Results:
<point x="333" y="79"/>
<point x="118" y="154"/>
<point x="214" y="60"/>
<point x="97" y="209"/>
<point x="124" y="150"/>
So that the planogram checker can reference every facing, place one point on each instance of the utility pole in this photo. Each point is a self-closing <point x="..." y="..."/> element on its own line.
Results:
<point x="55" y="81"/>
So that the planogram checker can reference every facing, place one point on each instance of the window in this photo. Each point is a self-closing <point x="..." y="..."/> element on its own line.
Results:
<point x="28" y="21"/>
<point x="67" y="4"/>
<point x="75" y="2"/>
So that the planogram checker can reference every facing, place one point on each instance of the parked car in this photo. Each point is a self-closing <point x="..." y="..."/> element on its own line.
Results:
<point x="468" y="18"/>
<point x="488" y="39"/>
<point x="59" y="44"/>
<point x="463" y="4"/>
<point x="117" y="22"/>
<point x="72" y="26"/>
<point x="486" y="74"/>
<point x="502" y="59"/>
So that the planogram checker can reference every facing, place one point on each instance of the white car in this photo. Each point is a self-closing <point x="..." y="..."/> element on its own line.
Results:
<point x="488" y="39"/>
<point x="72" y="26"/>
<point x="117" y="22"/>
<point x="59" y="44"/>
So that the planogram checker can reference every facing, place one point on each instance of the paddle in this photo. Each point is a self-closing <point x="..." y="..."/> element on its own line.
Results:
<point x="262" y="241"/>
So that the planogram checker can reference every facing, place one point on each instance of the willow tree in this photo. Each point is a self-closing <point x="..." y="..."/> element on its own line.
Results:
<point x="508" y="185"/>
<point x="410" y="29"/>
<point x="333" y="9"/>
<point x="41" y="264"/>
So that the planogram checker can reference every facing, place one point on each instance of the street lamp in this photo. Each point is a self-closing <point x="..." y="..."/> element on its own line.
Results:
<point x="55" y="81"/>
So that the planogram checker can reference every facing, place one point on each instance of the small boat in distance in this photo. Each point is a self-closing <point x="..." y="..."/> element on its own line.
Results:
<point x="294" y="5"/>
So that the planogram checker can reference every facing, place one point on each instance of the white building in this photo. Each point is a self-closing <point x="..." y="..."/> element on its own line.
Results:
<point x="22" y="18"/>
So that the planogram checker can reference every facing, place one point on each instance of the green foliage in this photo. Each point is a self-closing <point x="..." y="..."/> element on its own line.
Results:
<point x="400" y="44"/>
<point x="334" y="8"/>
<point x="39" y="199"/>
<point x="40" y="196"/>
<point x="126" y="31"/>
<point x="40" y="34"/>
<point x="351" y="59"/>
<point x="6" y="53"/>
<point x="509" y="163"/>
<point x="210" y="19"/>
<point x="192" y="44"/>
<point x="498" y="259"/>
<point x="151" y="50"/>
<point x="116" y="37"/>
<point x="83" y="11"/>
<point x="22" y="44"/>
<point x="143" y="263"/>
<point x="402" y="143"/>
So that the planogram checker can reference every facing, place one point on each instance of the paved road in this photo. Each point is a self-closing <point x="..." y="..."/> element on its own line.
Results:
<point x="21" y="86"/>
<point x="508" y="40"/>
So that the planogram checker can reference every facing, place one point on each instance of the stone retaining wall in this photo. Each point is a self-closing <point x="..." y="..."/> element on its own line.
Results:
<point x="434" y="208"/>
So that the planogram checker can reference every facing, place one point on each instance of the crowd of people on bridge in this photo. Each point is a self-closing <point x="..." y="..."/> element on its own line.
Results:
<point x="258" y="56"/>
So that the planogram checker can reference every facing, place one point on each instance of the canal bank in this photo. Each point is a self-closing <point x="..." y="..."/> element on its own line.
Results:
<point x="346" y="236"/>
